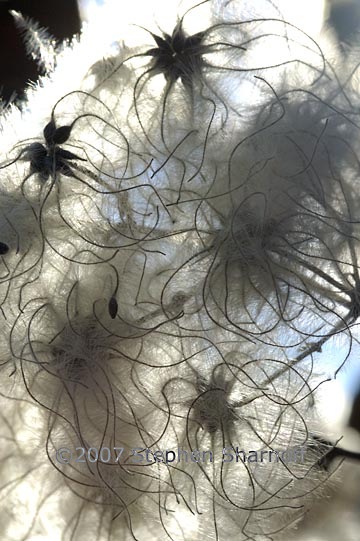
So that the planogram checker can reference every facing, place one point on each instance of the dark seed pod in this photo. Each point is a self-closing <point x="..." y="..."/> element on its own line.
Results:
<point x="49" y="132"/>
<point x="54" y="135"/>
<point x="113" y="307"/>
<point x="61" y="135"/>
<point x="4" y="248"/>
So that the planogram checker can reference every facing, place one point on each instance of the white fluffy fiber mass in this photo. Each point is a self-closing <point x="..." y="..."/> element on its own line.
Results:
<point x="180" y="238"/>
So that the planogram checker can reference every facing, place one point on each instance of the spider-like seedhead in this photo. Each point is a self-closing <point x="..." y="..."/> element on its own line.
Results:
<point x="213" y="409"/>
<point x="49" y="158"/>
<point x="248" y="239"/>
<point x="70" y="368"/>
<point x="178" y="56"/>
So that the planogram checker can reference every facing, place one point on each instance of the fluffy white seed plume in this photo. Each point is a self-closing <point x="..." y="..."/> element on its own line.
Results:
<point x="179" y="240"/>
<point x="39" y="44"/>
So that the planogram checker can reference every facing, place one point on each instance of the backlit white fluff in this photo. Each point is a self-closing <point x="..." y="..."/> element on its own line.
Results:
<point x="182" y="233"/>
